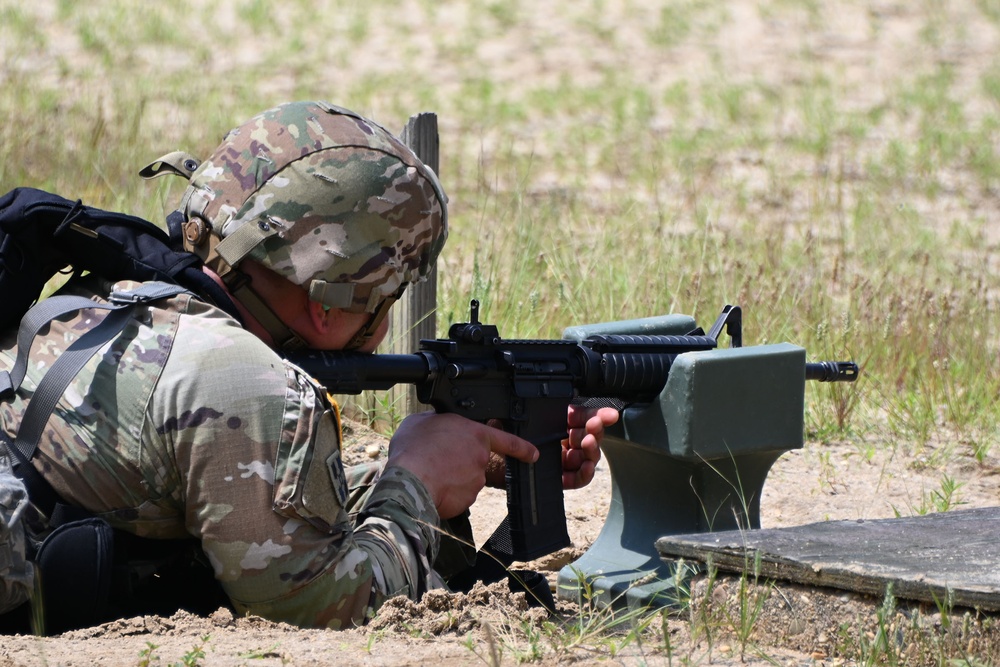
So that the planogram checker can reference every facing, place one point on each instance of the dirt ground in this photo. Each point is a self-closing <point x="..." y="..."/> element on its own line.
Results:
<point x="794" y="625"/>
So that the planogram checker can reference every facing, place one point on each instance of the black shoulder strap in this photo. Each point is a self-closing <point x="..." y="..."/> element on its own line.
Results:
<point x="40" y="233"/>
<point x="66" y="367"/>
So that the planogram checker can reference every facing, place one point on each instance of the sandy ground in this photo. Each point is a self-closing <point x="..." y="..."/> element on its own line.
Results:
<point x="794" y="626"/>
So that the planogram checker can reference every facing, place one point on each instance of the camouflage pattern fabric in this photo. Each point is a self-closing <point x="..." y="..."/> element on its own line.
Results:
<point x="328" y="199"/>
<point x="189" y="425"/>
<point x="16" y="574"/>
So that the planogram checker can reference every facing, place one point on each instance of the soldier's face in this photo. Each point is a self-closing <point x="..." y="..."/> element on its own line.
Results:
<point x="343" y="326"/>
<point x="372" y="343"/>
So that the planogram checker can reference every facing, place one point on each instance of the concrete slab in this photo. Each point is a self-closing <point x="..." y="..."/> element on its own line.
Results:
<point x="953" y="556"/>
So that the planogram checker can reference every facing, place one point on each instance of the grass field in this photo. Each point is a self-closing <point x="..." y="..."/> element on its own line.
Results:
<point x="604" y="160"/>
<point x="831" y="167"/>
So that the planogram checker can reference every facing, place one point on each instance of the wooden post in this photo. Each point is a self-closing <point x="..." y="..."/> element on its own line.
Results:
<point x="414" y="317"/>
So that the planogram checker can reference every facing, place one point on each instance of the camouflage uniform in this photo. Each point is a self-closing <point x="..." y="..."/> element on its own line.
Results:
<point x="189" y="425"/>
<point x="16" y="574"/>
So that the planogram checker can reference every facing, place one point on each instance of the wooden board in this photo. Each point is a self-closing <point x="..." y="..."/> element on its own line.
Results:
<point x="952" y="556"/>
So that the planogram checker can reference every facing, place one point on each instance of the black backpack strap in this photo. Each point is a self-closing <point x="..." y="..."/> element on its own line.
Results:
<point x="56" y="380"/>
<point x="32" y="322"/>
<point x="76" y="356"/>
<point x="50" y="389"/>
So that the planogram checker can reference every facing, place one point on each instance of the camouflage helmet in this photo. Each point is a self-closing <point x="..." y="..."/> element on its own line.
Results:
<point x="323" y="197"/>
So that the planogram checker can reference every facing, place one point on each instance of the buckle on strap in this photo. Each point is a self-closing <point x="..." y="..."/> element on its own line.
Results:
<point x="145" y="293"/>
<point x="123" y="298"/>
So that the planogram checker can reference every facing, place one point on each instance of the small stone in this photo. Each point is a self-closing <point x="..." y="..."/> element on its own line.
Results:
<point x="222" y="617"/>
<point x="373" y="451"/>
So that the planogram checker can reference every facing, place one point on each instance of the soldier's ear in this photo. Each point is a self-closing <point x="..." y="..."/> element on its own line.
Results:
<point x="319" y="316"/>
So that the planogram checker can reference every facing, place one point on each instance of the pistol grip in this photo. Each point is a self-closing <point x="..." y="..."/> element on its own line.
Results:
<point x="536" y="518"/>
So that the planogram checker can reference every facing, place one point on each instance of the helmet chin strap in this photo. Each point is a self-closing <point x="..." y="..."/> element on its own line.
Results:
<point x="366" y="332"/>
<point x="282" y="336"/>
<point x="223" y="256"/>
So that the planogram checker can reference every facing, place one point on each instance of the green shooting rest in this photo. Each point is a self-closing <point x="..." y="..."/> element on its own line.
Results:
<point x="693" y="461"/>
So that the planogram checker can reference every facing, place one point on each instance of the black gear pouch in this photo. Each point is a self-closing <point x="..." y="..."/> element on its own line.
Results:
<point x="74" y="569"/>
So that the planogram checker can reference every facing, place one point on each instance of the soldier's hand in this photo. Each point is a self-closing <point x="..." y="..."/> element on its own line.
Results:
<point x="449" y="454"/>
<point x="582" y="449"/>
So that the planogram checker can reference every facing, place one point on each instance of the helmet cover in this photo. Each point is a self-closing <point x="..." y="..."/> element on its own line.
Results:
<point x="325" y="198"/>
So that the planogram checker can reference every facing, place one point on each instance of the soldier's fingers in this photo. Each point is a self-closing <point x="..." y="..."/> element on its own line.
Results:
<point x="508" y="444"/>
<point x="604" y="417"/>
<point x="580" y="477"/>
<point x="588" y="438"/>
<point x="579" y="416"/>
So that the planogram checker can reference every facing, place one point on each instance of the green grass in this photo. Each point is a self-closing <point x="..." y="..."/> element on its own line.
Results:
<point x="599" y="169"/>
<point x="606" y="161"/>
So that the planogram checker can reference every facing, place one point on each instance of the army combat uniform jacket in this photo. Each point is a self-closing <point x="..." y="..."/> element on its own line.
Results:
<point x="189" y="425"/>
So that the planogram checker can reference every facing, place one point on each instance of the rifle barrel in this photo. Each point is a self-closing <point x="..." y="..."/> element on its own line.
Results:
<point x="354" y="372"/>
<point x="832" y="371"/>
